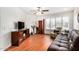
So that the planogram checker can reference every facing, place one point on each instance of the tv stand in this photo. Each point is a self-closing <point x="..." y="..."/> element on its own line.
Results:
<point x="18" y="37"/>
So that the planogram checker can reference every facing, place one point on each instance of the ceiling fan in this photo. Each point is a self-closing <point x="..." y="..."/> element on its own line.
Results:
<point x="40" y="10"/>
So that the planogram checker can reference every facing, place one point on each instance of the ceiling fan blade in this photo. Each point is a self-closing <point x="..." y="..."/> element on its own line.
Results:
<point x="45" y="10"/>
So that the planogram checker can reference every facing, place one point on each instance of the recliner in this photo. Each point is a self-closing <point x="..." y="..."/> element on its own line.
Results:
<point x="64" y="42"/>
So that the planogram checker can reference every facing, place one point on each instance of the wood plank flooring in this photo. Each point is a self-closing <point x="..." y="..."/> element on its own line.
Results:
<point x="37" y="42"/>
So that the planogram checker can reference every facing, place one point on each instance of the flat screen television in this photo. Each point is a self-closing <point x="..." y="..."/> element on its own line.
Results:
<point x="21" y="25"/>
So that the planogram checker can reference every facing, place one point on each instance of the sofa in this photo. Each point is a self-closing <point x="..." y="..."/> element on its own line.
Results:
<point x="66" y="42"/>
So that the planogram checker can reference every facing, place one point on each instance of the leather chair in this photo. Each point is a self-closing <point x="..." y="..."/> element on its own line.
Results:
<point x="66" y="42"/>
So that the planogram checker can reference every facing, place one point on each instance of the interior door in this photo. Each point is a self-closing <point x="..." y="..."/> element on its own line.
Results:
<point x="41" y="26"/>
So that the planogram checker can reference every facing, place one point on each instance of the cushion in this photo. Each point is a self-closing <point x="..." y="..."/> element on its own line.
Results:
<point x="63" y="41"/>
<point x="63" y="49"/>
<point x="58" y="48"/>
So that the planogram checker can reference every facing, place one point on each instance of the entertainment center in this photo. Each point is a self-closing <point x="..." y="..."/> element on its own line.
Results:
<point x="20" y="35"/>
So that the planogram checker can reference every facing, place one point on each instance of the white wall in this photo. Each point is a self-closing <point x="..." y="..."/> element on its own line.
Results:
<point x="30" y="21"/>
<point x="76" y="24"/>
<point x="8" y="16"/>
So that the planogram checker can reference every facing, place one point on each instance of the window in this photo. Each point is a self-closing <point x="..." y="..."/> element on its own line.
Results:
<point x="65" y="22"/>
<point x="47" y="23"/>
<point x="58" y="22"/>
<point x="52" y="23"/>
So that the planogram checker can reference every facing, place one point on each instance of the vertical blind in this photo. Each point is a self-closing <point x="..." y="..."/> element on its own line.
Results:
<point x="57" y="22"/>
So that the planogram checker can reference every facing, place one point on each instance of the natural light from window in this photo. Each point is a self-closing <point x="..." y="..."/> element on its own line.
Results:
<point x="55" y="22"/>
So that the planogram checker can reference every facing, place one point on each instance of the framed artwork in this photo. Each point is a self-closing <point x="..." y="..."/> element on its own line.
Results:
<point x="78" y="17"/>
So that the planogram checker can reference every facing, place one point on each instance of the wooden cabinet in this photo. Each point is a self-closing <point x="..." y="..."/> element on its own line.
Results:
<point x="18" y="36"/>
<point x="14" y="38"/>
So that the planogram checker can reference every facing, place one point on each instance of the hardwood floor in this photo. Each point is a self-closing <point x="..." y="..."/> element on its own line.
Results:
<point x="38" y="42"/>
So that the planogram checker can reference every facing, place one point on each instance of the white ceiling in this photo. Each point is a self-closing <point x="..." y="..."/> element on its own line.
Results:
<point x="52" y="10"/>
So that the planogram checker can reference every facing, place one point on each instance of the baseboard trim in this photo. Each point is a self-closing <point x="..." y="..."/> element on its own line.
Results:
<point x="7" y="47"/>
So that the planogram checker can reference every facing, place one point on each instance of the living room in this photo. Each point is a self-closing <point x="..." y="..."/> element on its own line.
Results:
<point x="18" y="19"/>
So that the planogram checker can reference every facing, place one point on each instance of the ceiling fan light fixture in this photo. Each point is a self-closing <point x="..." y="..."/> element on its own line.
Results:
<point x="40" y="11"/>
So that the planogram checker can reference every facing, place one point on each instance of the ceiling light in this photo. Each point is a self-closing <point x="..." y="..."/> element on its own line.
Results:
<point x="40" y="11"/>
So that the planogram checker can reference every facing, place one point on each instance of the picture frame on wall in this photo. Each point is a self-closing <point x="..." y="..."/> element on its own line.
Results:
<point x="78" y="17"/>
